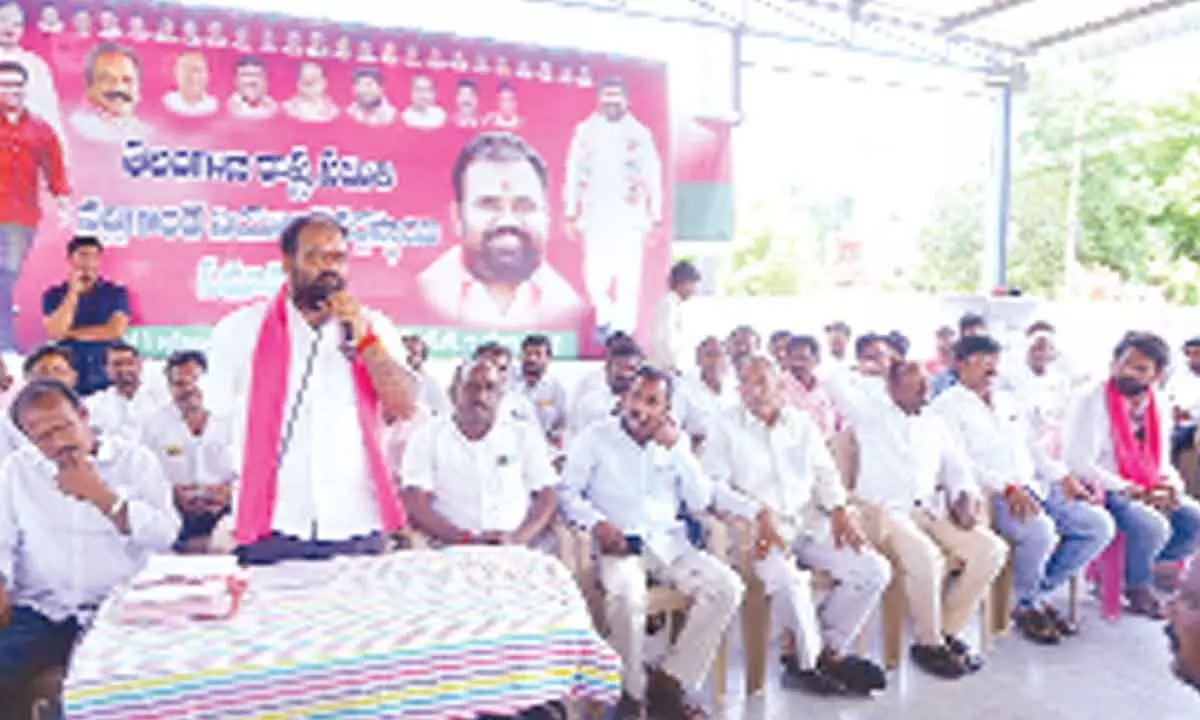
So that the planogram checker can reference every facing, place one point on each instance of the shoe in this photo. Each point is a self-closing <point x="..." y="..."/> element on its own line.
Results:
<point x="813" y="682"/>
<point x="1143" y="602"/>
<point x="630" y="708"/>
<point x="939" y="660"/>
<point x="972" y="661"/>
<point x="664" y="696"/>
<point x="1065" y="627"/>
<point x="859" y="675"/>
<point x="1036" y="625"/>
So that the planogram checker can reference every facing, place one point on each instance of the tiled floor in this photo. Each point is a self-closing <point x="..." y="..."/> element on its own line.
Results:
<point x="1109" y="672"/>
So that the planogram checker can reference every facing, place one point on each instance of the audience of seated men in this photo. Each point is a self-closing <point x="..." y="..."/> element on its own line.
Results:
<point x="771" y="465"/>
<point x="1038" y="506"/>
<point x="193" y="446"/>
<point x="921" y="504"/>
<point x="625" y="479"/>
<point x="79" y="515"/>
<point x="477" y="476"/>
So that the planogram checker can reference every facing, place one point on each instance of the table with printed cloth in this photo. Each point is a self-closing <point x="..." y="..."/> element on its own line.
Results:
<point x="417" y="635"/>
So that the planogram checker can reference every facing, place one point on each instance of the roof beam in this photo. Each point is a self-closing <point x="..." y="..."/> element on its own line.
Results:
<point x="1112" y="21"/>
<point x="954" y="22"/>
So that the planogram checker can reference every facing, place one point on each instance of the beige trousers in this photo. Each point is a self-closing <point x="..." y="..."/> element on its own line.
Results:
<point x="716" y="594"/>
<point x="918" y="544"/>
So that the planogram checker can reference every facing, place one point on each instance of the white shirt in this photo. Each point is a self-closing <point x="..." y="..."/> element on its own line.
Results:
<point x="545" y="299"/>
<point x="62" y="556"/>
<point x="698" y="407"/>
<point x="430" y="118"/>
<point x="325" y="491"/>
<point x="999" y="440"/>
<point x="1088" y="446"/>
<point x="11" y="437"/>
<point x="112" y="413"/>
<point x="1183" y="390"/>
<point x="667" y="347"/>
<point x="482" y="485"/>
<point x="903" y="459"/>
<point x="1045" y="396"/>
<point x="786" y="468"/>
<point x="614" y="174"/>
<point x="176" y="103"/>
<point x="100" y="128"/>
<point x="640" y="489"/>
<point x="41" y="98"/>
<point x="189" y="459"/>
<point x="430" y="394"/>
<point x="547" y="397"/>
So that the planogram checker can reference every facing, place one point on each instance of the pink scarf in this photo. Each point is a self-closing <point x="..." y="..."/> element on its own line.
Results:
<point x="264" y="426"/>
<point x="1136" y="462"/>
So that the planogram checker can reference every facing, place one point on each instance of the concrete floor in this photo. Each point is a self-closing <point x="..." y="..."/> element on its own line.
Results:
<point x="1113" y="671"/>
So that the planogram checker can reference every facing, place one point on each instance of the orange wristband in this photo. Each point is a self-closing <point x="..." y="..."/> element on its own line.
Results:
<point x="367" y="341"/>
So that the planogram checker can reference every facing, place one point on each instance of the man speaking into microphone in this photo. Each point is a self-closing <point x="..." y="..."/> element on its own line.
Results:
<point x="306" y="379"/>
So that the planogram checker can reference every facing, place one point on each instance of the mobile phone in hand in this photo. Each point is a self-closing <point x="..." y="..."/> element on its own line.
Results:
<point x="634" y="543"/>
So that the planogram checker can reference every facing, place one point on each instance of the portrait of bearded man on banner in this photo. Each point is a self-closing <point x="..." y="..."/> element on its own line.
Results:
<point x="498" y="276"/>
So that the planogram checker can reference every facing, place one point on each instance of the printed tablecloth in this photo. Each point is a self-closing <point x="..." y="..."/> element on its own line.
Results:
<point x="420" y="635"/>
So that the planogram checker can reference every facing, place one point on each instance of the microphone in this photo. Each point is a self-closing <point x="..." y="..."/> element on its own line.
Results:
<point x="348" y="340"/>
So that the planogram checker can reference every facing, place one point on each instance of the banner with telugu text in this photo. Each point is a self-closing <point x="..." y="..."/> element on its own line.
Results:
<point x="488" y="189"/>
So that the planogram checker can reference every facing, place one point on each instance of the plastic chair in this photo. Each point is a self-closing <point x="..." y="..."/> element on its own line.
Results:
<point x="1108" y="571"/>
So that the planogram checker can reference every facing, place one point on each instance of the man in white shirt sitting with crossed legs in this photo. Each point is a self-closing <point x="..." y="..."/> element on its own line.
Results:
<point x="772" y="466"/>
<point x="625" y="480"/>
<point x="476" y="475"/>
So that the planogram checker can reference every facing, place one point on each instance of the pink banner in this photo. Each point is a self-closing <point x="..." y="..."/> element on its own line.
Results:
<point x="487" y="188"/>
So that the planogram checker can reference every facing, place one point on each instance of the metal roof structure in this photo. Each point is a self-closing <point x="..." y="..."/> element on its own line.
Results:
<point x="996" y="37"/>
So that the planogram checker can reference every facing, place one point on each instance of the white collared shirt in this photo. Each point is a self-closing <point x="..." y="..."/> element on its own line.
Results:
<point x="430" y="118"/>
<point x="640" y="489"/>
<point x="325" y="491"/>
<point x="547" y="397"/>
<point x="98" y="127"/>
<point x="11" y="437"/>
<point x="544" y="299"/>
<point x="903" y="459"/>
<point x="62" y="556"/>
<point x="786" y="468"/>
<point x="478" y="485"/>
<point x="1183" y="389"/>
<point x="176" y="103"/>
<point x="697" y="407"/>
<point x="189" y="459"/>
<point x="1045" y="396"/>
<point x="1088" y="446"/>
<point x="667" y="347"/>
<point x="430" y="394"/>
<point x="999" y="440"/>
<point x="112" y="413"/>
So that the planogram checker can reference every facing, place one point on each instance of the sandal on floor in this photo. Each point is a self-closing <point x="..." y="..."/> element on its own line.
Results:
<point x="1036" y="626"/>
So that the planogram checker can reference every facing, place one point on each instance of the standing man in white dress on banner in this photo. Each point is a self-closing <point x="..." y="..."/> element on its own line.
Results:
<point x="614" y="200"/>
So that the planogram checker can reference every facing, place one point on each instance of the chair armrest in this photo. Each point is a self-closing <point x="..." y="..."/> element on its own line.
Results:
<point x="742" y="535"/>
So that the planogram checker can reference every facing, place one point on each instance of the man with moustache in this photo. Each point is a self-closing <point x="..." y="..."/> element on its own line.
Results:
<point x="625" y="480"/>
<point x="803" y="391"/>
<point x="370" y="106"/>
<point x="430" y="394"/>
<point x="1045" y="513"/>
<point x="193" y="446"/>
<point x="306" y="378"/>
<point x="595" y="402"/>
<point x="466" y="101"/>
<point x="127" y="406"/>
<point x="543" y="391"/>
<point x="423" y="112"/>
<point x="112" y="77"/>
<point x="497" y="277"/>
<point x="311" y="103"/>
<point x="613" y="202"/>
<point x="837" y="339"/>
<point x="476" y="476"/>
<point x="250" y="99"/>
<point x="1117" y="438"/>
<point x="78" y="518"/>
<point x="190" y="98"/>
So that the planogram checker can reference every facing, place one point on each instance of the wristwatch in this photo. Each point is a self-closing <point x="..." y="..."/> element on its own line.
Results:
<point x="117" y="507"/>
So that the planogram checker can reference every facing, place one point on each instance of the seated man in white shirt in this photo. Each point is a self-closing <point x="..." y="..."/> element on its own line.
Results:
<point x="543" y="391"/>
<point x="907" y="466"/>
<point x="429" y="394"/>
<point x="1183" y="389"/>
<point x="1047" y="514"/>
<point x="125" y="406"/>
<point x="597" y="401"/>
<point x="193" y="446"/>
<point x="1117" y="439"/>
<point x="706" y="393"/>
<point x="78" y="517"/>
<point x="624" y="482"/>
<point x="48" y="362"/>
<point x="476" y="475"/>
<point x="772" y="466"/>
<point x="512" y="404"/>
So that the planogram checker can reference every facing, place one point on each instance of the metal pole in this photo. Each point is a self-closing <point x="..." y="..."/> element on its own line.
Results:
<point x="995" y="260"/>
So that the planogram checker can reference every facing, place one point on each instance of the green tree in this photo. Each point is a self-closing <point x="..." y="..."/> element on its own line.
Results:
<point x="776" y="250"/>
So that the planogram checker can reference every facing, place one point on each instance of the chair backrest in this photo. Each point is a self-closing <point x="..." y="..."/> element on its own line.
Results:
<point x="844" y="448"/>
